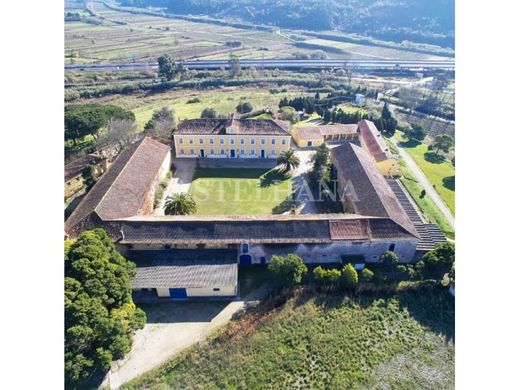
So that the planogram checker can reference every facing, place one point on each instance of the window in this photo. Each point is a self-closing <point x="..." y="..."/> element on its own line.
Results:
<point x="182" y="152"/>
<point x="216" y="289"/>
<point x="252" y="153"/>
<point x="222" y="141"/>
<point x="181" y="141"/>
<point x="211" y="141"/>
<point x="273" y="141"/>
<point x="192" y="151"/>
<point x="167" y="246"/>
<point x="391" y="248"/>
<point x="201" y="141"/>
<point x="242" y="141"/>
<point x="262" y="141"/>
<point x="191" y="140"/>
<point x="222" y="151"/>
<point x="252" y="141"/>
<point x="283" y="141"/>
<point x="245" y="248"/>
<point x="212" y="151"/>
<point x="273" y="152"/>
<point x="242" y="151"/>
<point x="232" y="141"/>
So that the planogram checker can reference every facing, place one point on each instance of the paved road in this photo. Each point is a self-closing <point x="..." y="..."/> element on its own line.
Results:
<point x="425" y="183"/>
<point x="172" y="327"/>
<point x="273" y="63"/>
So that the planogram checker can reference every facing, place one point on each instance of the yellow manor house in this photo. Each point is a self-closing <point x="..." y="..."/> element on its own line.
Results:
<point x="232" y="138"/>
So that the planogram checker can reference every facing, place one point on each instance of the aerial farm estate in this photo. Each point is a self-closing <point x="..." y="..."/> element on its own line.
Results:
<point x="183" y="256"/>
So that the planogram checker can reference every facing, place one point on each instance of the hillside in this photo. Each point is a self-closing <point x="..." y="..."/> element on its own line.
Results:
<point x="420" y="21"/>
<point x="315" y="340"/>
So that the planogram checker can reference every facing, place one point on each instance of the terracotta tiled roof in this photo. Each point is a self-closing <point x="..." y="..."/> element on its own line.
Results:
<point x="367" y="189"/>
<point x="120" y="191"/>
<point x="241" y="126"/>
<point x="373" y="140"/>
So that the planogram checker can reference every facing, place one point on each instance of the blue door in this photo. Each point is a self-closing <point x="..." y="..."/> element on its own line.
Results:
<point x="245" y="260"/>
<point x="202" y="153"/>
<point x="232" y="153"/>
<point x="178" y="293"/>
<point x="262" y="260"/>
<point x="262" y="153"/>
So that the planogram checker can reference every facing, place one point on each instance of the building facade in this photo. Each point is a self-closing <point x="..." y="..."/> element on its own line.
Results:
<point x="231" y="138"/>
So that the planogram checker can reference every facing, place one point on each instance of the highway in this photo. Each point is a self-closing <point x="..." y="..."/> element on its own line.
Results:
<point x="447" y="64"/>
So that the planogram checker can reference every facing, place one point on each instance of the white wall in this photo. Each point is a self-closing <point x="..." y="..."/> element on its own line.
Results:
<point x="225" y="291"/>
<point x="163" y="292"/>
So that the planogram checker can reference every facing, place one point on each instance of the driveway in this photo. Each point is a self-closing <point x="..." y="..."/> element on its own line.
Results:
<point x="180" y="182"/>
<point x="307" y="205"/>
<point x="172" y="327"/>
<point x="425" y="183"/>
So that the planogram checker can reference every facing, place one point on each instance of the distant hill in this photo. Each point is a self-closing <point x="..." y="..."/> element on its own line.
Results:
<point x="421" y="21"/>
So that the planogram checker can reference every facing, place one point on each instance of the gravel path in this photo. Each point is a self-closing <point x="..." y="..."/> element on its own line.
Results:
<point x="172" y="327"/>
<point x="180" y="182"/>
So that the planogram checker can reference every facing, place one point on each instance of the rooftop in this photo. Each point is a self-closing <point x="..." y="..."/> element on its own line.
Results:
<point x="373" y="140"/>
<point x="318" y="132"/>
<point x="368" y="191"/>
<point x="239" y="126"/>
<point x="121" y="190"/>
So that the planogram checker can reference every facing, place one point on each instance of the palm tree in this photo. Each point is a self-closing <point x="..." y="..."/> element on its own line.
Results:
<point x="288" y="160"/>
<point x="180" y="204"/>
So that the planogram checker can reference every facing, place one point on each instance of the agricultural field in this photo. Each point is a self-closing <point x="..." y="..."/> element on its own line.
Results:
<point x="441" y="175"/>
<point x="127" y="37"/>
<point x="239" y="191"/>
<point x="313" y="340"/>
<point x="223" y="100"/>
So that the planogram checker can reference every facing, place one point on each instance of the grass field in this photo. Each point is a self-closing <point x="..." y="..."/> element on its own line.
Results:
<point x="316" y="341"/>
<point x="429" y="209"/>
<point x="441" y="175"/>
<point x="239" y="191"/>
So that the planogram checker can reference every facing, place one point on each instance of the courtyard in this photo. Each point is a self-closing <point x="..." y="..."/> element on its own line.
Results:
<point x="240" y="191"/>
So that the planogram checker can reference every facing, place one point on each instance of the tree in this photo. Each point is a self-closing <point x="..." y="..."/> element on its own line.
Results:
<point x="386" y="123"/>
<point x="288" y="160"/>
<point x="89" y="175"/>
<point x="162" y="123"/>
<point x="366" y="275"/>
<point x="416" y="132"/>
<point x="87" y="119"/>
<point x="209" y="113"/>
<point x="437" y="262"/>
<point x="321" y="158"/>
<point x="389" y="258"/>
<point x="288" y="114"/>
<point x="180" y="204"/>
<point x="234" y="65"/>
<point x="349" y="276"/>
<point x="100" y="316"/>
<point x="244" y="107"/>
<point x="167" y="67"/>
<point x="443" y="142"/>
<point x="287" y="270"/>
<point x="120" y="133"/>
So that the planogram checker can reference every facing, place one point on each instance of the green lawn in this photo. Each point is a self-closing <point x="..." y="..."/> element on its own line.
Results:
<point x="317" y="341"/>
<point x="441" y="175"/>
<point x="240" y="191"/>
<point x="429" y="209"/>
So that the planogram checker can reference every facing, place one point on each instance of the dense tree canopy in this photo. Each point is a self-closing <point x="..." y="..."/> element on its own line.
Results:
<point x="437" y="262"/>
<point x="244" y="107"/>
<point x="87" y="119"/>
<point x="100" y="316"/>
<point x="416" y="132"/>
<point x="209" y="113"/>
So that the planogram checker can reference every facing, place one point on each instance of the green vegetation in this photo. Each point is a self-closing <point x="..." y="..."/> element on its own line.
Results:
<point x="288" y="160"/>
<point x="180" y="204"/>
<point x="427" y="206"/>
<point x="239" y="191"/>
<point x="100" y="316"/>
<point x="438" y="262"/>
<point x="440" y="174"/>
<point x="288" y="270"/>
<point x="401" y="341"/>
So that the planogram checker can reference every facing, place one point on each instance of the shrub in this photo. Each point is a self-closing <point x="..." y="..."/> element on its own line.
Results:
<point x="326" y="276"/>
<point x="437" y="262"/>
<point x="367" y="275"/>
<point x="287" y="270"/>
<point x="209" y="113"/>
<point x="244" y="107"/>
<point x="349" y="276"/>
<point x="194" y="100"/>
